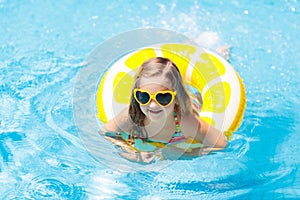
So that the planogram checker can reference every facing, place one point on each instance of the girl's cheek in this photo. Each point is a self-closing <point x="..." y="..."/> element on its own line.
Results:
<point x="144" y="110"/>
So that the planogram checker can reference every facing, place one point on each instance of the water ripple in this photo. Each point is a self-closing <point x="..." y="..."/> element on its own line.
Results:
<point x="51" y="188"/>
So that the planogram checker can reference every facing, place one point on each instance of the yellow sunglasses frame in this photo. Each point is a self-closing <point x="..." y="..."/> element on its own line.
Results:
<point x="153" y="96"/>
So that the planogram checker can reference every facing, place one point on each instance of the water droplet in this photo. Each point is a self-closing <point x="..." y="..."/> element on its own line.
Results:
<point x="293" y="9"/>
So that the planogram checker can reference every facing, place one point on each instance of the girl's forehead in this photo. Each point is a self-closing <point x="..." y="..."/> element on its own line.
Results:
<point x="155" y="83"/>
<point x="153" y="88"/>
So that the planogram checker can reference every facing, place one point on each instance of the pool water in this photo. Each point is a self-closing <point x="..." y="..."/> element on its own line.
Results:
<point x="43" y="46"/>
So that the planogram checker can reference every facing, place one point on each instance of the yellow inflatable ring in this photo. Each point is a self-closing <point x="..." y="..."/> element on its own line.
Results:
<point x="222" y="90"/>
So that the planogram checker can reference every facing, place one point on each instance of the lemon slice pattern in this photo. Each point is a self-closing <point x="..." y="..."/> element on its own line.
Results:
<point x="221" y="88"/>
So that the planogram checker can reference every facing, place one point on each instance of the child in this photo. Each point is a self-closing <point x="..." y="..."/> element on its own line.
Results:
<point x="160" y="115"/>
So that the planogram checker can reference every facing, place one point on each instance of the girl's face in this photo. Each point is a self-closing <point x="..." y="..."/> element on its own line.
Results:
<point x="154" y="111"/>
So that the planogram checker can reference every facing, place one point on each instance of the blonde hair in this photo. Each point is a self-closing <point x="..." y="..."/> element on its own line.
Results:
<point x="156" y="67"/>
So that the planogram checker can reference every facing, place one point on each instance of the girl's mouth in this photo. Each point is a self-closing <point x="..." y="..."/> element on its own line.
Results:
<point x="155" y="111"/>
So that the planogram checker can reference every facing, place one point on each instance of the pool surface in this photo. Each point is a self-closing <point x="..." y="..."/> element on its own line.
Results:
<point x="43" y="47"/>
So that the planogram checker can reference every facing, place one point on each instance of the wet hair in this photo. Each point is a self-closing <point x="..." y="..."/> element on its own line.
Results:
<point x="165" y="68"/>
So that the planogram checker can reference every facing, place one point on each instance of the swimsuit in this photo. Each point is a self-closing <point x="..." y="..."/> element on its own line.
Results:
<point x="144" y="144"/>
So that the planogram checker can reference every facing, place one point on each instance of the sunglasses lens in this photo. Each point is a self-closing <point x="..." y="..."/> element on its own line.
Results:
<point x="142" y="97"/>
<point x="164" y="98"/>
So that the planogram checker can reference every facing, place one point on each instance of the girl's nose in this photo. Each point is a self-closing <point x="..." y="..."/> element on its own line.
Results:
<point x="153" y="104"/>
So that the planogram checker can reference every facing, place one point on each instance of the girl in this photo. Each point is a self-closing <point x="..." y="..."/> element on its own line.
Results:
<point x="160" y="114"/>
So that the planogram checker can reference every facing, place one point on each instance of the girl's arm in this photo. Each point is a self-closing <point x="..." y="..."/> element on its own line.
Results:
<point x="111" y="132"/>
<point x="209" y="136"/>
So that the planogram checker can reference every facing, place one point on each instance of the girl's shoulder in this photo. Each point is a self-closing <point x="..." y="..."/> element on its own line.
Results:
<point x="119" y="123"/>
<point x="189" y="124"/>
<point x="189" y="117"/>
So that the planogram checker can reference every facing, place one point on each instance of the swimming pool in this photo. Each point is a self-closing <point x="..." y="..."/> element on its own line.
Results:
<point x="42" y="48"/>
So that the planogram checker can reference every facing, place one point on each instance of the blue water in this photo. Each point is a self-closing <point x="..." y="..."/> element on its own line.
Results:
<point x="42" y="47"/>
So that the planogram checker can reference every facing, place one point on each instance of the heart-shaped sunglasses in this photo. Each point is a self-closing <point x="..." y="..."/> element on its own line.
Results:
<point x="162" y="98"/>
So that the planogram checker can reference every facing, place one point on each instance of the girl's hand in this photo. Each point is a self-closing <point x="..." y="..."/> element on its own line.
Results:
<point x="139" y="157"/>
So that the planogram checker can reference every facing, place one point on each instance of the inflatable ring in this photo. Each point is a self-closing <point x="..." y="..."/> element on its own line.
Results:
<point x="221" y="88"/>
